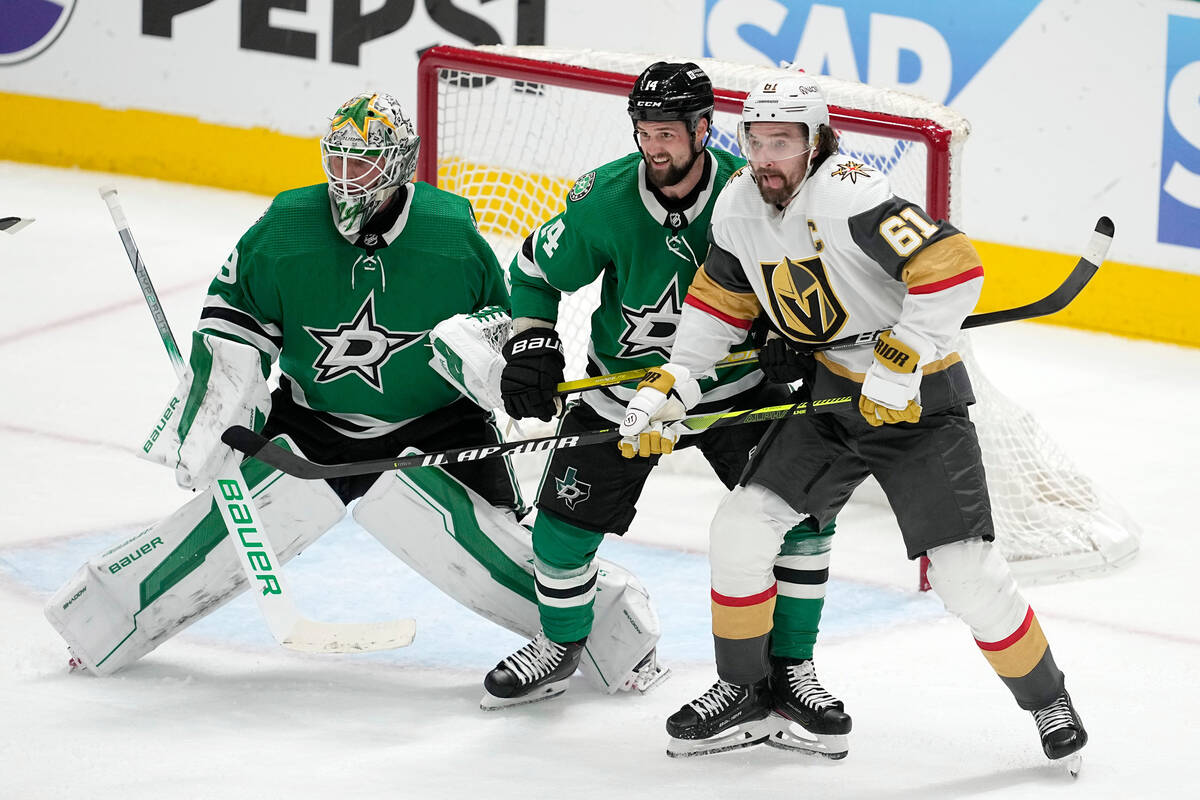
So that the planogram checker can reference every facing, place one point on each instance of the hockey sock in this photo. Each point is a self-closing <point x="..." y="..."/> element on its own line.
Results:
<point x="1024" y="662"/>
<point x="565" y="566"/>
<point x="977" y="586"/>
<point x="801" y="573"/>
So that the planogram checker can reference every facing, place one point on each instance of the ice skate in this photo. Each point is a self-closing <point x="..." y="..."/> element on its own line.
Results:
<point x="806" y="717"/>
<point x="538" y="671"/>
<point x="726" y="717"/>
<point x="1062" y="732"/>
<point x="646" y="675"/>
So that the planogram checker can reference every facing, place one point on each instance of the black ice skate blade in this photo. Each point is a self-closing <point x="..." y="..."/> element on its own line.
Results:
<point x="493" y="703"/>
<point x="1072" y="763"/>
<point x="688" y="748"/>
<point x="791" y="735"/>
<point x="829" y="750"/>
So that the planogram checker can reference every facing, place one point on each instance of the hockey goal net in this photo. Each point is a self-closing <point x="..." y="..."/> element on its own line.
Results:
<point x="510" y="128"/>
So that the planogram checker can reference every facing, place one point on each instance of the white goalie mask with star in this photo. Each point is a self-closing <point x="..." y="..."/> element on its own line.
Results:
<point x="369" y="151"/>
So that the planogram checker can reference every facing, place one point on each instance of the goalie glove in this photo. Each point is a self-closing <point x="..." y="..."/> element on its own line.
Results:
<point x="532" y="371"/>
<point x="222" y="386"/>
<point x="665" y="394"/>
<point x="467" y="353"/>
<point x="889" y="391"/>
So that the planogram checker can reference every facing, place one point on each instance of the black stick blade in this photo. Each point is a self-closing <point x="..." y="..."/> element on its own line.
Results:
<point x="14" y="224"/>
<point x="244" y="440"/>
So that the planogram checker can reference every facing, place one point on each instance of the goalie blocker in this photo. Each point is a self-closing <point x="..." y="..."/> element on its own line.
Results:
<point x="128" y="600"/>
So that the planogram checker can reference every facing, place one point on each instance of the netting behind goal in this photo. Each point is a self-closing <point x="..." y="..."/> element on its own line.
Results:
<point x="510" y="128"/>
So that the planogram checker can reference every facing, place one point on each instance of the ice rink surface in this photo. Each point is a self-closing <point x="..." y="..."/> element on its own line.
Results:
<point x="222" y="712"/>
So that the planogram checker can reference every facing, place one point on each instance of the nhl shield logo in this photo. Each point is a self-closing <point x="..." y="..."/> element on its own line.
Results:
<point x="803" y="302"/>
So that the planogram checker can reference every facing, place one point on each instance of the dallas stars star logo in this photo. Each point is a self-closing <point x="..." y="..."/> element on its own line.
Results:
<point x="359" y="115"/>
<point x="360" y="347"/>
<point x="852" y="170"/>
<point x="651" y="328"/>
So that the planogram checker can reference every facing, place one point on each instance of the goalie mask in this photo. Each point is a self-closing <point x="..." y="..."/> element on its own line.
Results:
<point x="369" y="151"/>
<point x="788" y="150"/>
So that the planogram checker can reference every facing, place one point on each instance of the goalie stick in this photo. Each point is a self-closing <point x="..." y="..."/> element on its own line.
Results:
<point x="258" y="446"/>
<point x="240" y="514"/>
<point x="14" y="224"/>
<point x="1087" y="265"/>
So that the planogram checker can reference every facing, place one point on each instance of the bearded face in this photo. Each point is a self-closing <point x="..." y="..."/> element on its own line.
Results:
<point x="668" y="150"/>
<point x="777" y="187"/>
<point x="779" y="156"/>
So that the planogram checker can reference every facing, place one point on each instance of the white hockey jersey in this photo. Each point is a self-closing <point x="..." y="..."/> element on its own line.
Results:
<point x="845" y="257"/>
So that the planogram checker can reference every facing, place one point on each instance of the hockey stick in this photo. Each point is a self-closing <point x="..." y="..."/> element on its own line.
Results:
<point x="600" y="381"/>
<point x="258" y="446"/>
<point x="242" y="521"/>
<point x="255" y="445"/>
<point x="1093" y="256"/>
<point x="14" y="224"/>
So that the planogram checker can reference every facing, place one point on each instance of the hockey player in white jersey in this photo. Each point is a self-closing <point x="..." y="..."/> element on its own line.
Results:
<point x="818" y="244"/>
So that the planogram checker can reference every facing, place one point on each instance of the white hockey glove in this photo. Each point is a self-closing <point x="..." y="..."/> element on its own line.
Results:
<point x="467" y="353"/>
<point x="226" y="388"/>
<point x="665" y="394"/>
<point x="889" y="392"/>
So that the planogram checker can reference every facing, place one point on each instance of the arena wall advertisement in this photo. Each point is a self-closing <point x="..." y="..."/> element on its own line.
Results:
<point x="1077" y="108"/>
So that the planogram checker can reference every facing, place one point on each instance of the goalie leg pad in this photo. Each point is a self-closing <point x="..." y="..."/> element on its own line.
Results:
<point x="126" y="601"/>
<point x="479" y="556"/>
<point x="620" y="652"/>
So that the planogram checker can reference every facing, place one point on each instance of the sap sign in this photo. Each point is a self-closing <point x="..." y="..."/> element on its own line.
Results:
<point x="1179" y="197"/>
<point x="932" y="48"/>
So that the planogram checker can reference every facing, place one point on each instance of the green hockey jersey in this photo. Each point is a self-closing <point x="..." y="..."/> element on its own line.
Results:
<point x="349" y="323"/>
<point x="646" y="248"/>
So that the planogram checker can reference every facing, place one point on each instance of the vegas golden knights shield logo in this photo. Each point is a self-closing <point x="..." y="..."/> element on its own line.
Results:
<point x="802" y="300"/>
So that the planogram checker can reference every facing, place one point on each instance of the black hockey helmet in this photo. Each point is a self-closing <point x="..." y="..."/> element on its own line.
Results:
<point x="669" y="91"/>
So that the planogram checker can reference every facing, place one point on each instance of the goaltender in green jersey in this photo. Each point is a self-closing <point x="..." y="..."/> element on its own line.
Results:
<point x="639" y="224"/>
<point x="340" y="284"/>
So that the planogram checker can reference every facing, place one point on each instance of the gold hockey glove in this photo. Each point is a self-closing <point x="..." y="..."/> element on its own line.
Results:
<point x="665" y="394"/>
<point x="889" y="391"/>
